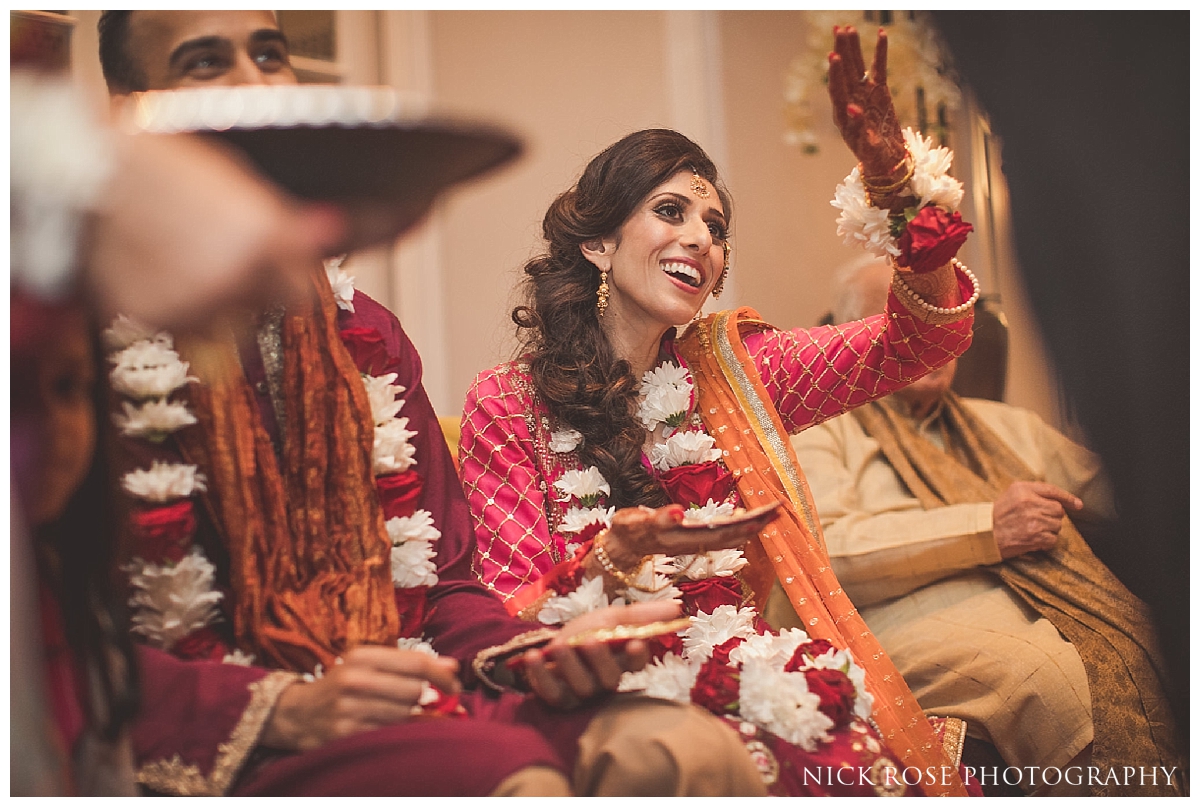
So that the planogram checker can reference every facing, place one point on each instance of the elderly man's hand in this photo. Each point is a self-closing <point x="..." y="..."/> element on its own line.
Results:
<point x="1028" y="517"/>
<point x="563" y="675"/>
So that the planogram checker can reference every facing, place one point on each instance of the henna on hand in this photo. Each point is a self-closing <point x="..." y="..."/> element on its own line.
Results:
<point x="863" y="110"/>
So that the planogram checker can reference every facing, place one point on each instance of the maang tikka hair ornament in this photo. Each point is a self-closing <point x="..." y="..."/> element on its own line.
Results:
<point x="699" y="186"/>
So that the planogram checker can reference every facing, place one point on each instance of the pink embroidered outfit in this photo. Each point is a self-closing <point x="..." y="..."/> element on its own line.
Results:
<point x="536" y="510"/>
<point x="508" y="468"/>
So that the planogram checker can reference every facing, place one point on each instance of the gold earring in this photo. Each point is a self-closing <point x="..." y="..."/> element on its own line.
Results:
<point x="720" y="287"/>
<point x="602" y="294"/>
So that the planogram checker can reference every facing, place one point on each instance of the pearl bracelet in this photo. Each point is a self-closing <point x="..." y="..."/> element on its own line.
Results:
<point x="962" y="308"/>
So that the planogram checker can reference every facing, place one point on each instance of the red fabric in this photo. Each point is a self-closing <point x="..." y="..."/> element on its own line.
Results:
<point x="431" y="757"/>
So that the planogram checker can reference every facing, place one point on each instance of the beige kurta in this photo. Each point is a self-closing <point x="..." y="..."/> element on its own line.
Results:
<point x="966" y="646"/>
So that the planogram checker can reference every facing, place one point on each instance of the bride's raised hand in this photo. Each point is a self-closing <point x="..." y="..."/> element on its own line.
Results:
<point x="862" y="107"/>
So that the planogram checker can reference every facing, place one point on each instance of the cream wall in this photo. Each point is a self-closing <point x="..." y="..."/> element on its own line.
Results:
<point x="573" y="82"/>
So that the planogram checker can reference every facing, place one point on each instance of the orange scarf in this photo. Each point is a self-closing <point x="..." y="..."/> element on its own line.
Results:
<point x="310" y="561"/>
<point x="739" y="415"/>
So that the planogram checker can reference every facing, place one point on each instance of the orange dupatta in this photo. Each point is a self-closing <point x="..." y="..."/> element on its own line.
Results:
<point x="739" y="415"/>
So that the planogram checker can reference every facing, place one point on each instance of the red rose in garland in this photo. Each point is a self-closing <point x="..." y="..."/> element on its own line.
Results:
<point x="836" y="691"/>
<point x="202" y="643"/>
<point x="696" y="484"/>
<point x="667" y="643"/>
<point x="164" y="533"/>
<point x="705" y="596"/>
<point x="398" y="493"/>
<point x="721" y="652"/>
<point x="931" y="239"/>
<point x="717" y="687"/>
<point x="806" y="651"/>
<point x="369" y="351"/>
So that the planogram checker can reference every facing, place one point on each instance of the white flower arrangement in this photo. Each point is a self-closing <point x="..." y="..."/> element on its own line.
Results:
<point x="417" y="527"/>
<point x="866" y="225"/>
<point x="341" y="282"/>
<point x="565" y="441"/>
<point x="416" y="644"/>
<point x="586" y="485"/>
<point x="413" y="566"/>
<point x="148" y="369"/>
<point x="861" y="222"/>
<point x="659" y="585"/>
<point x="709" y="630"/>
<point x="125" y="331"/>
<point x="667" y="374"/>
<point x="665" y="396"/>
<point x="775" y="649"/>
<point x="669" y="678"/>
<point x="239" y="658"/>
<point x="412" y="549"/>
<point x="666" y="404"/>
<point x="710" y="512"/>
<point x="169" y="602"/>
<point x="393" y="452"/>
<point x="578" y="519"/>
<point x="931" y="180"/>
<point x="684" y="448"/>
<point x="164" y="481"/>
<point x="717" y="563"/>
<point x="780" y="702"/>
<point x="381" y="392"/>
<point x="588" y="597"/>
<point x="153" y="420"/>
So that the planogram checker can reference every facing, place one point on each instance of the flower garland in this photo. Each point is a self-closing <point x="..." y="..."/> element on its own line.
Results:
<point x="922" y="237"/>
<point x="172" y="584"/>
<point x="727" y="660"/>
<point x="174" y="599"/>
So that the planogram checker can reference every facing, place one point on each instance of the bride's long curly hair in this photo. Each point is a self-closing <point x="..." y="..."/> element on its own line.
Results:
<point x="573" y="366"/>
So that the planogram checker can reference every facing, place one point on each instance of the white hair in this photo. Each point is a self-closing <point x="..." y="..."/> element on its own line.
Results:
<point x="849" y="290"/>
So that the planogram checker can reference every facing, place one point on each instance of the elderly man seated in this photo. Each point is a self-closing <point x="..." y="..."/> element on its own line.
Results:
<point x="954" y="526"/>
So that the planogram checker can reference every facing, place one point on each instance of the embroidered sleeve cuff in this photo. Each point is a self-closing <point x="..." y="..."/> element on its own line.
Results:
<point x="175" y="777"/>
<point x="489" y="665"/>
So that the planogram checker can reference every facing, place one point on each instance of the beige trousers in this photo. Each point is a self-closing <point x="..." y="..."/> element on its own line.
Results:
<point x="639" y="746"/>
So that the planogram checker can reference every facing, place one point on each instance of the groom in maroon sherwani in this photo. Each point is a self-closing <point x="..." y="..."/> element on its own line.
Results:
<point x="292" y="519"/>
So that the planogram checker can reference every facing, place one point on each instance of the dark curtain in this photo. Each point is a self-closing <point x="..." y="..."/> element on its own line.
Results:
<point x="1092" y="111"/>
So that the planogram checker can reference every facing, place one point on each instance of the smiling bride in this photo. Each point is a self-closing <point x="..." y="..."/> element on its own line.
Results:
<point x="589" y="460"/>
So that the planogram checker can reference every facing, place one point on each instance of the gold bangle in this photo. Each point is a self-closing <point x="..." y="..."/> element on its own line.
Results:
<point x="875" y="189"/>
<point x="611" y="568"/>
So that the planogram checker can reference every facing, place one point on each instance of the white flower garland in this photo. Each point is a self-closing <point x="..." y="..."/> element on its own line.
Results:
<point x="775" y="700"/>
<point x="867" y="226"/>
<point x="167" y="601"/>
<point x="164" y="482"/>
<point x="341" y="282"/>
<point x="664" y="398"/>
<point x="171" y="601"/>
